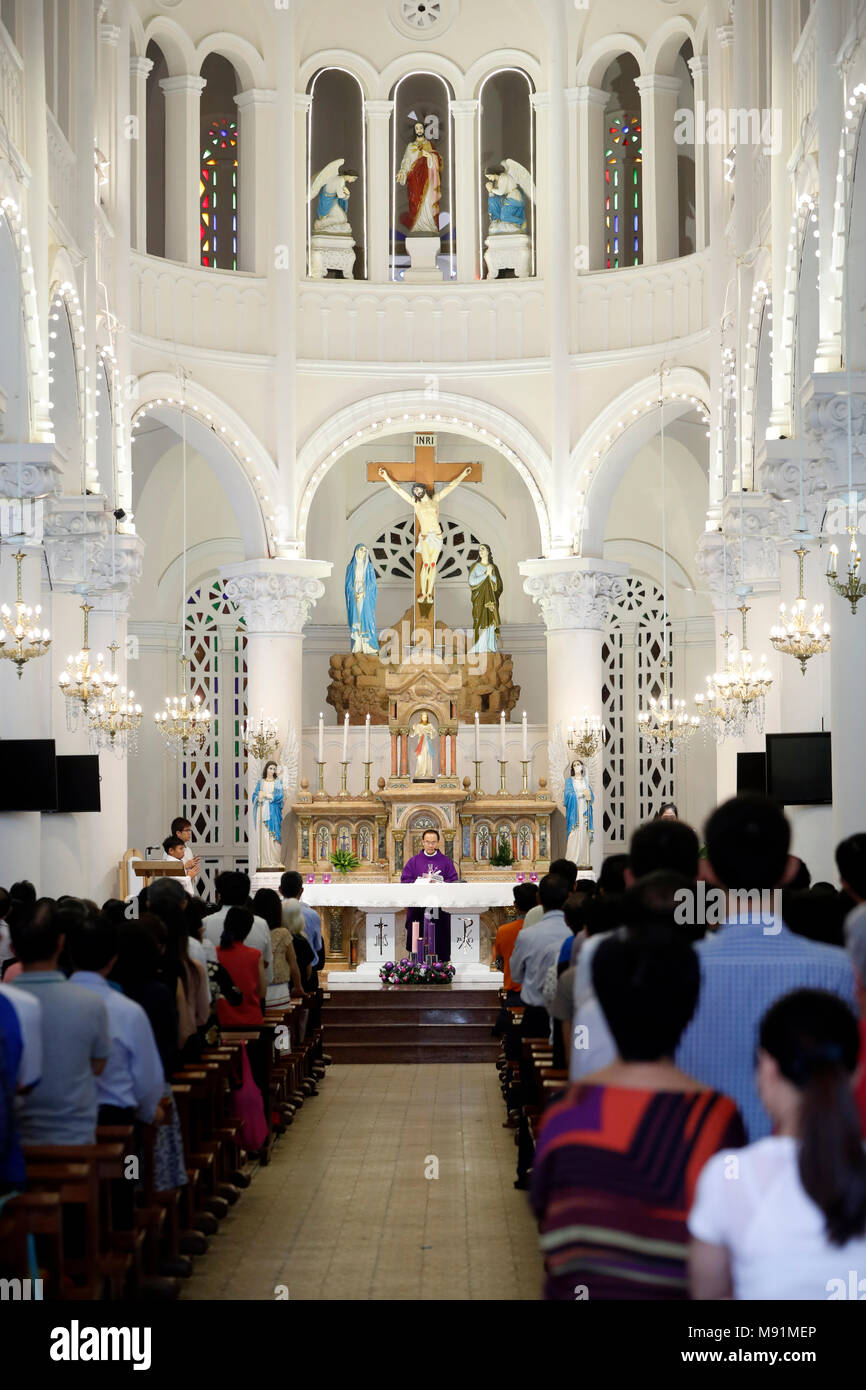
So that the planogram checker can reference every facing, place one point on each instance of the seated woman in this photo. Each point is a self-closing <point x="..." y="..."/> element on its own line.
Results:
<point x="268" y="905"/>
<point x="246" y="968"/>
<point x="618" y="1156"/>
<point x="794" y="1223"/>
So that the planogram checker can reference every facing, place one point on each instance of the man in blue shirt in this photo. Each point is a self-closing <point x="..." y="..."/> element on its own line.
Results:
<point x="752" y="959"/>
<point x="20" y="1070"/>
<point x="292" y="886"/>
<point x="534" y="952"/>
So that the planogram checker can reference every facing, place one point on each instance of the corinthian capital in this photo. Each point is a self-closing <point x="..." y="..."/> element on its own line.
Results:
<point x="573" y="593"/>
<point x="276" y="595"/>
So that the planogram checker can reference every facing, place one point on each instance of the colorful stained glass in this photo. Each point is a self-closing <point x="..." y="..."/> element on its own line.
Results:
<point x="218" y="196"/>
<point x="622" y="176"/>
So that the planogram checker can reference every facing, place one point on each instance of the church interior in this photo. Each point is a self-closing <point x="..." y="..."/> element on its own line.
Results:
<point x="430" y="525"/>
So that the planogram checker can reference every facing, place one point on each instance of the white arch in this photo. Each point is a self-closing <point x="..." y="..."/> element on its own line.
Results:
<point x="175" y="44"/>
<point x="34" y="352"/>
<point x="399" y="411"/>
<point x="599" y="56"/>
<point x="784" y="339"/>
<point x="310" y="215"/>
<point x="760" y="297"/>
<point x="246" y="60"/>
<point x="220" y="435"/>
<point x="663" y="48"/>
<point x="607" y="447"/>
<point x="422" y="62"/>
<point x="853" y="131"/>
<point x="343" y="58"/>
<point x="494" y="62"/>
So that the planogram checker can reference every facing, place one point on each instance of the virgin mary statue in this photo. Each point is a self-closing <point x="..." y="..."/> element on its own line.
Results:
<point x="578" y="799"/>
<point x="268" y="798"/>
<point x="361" y="601"/>
<point x="485" y="585"/>
<point x="421" y="171"/>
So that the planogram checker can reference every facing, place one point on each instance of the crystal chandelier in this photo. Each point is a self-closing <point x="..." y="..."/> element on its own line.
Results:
<point x="740" y="687"/>
<point x="260" y="739"/>
<point x="853" y="589"/>
<point x="667" y="724"/>
<point x="80" y="683"/>
<point x="20" y="638"/>
<point x="797" y="635"/>
<point x="721" y="715"/>
<point x="115" y="719"/>
<point x="184" y="720"/>
<point x="586" y="736"/>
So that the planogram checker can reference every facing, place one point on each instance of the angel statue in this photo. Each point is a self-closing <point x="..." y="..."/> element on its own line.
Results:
<point x="268" y="800"/>
<point x="421" y="172"/>
<point x="332" y="206"/>
<point x="507" y="195"/>
<point x="361" y="588"/>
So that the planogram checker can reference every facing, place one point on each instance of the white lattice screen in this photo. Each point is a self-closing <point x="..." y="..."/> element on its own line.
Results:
<point x="393" y="552"/>
<point x="214" y="781"/>
<point x="636" y="779"/>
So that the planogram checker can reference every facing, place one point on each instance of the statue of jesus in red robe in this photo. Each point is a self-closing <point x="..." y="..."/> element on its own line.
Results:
<point x="421" y="172"/>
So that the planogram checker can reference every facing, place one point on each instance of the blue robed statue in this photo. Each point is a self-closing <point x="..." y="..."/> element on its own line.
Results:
<point x="268" y="800"/>
<point x="361" y="588"/>
<point x="507" y="195"/>
<point x="578" y="801"/>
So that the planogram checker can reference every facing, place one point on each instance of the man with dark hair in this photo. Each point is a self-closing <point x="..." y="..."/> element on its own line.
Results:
<point x="562" y="868"/>
<point x="534" y="951"/>
<point x="611" y="879"/>
<point x="176" y="849"/>
<point x="291" y="889"/>
<point x="429" y="863"/>
<point x="182" y="828"/>
<point x="62" y="1108"/>
<point x="752" y="959"/>
<point x="525" y="897"/>
<point x="132" y="1085"/>
<point x="663" y="843"/>
<point x="233" y="890"/>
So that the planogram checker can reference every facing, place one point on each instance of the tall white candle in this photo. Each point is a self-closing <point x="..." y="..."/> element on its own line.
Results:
<point x="346" y="738"/>
<point x="367" y="739"/>
<point x="477" y="739"/>
<point x="502" y="736"/>
<point x="321" y="737"/>
<point x="525" y="739"/>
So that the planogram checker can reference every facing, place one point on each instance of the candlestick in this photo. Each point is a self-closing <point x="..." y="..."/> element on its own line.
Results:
<point x="502" y="734"/>
<point x="525" y="737"/>
<point x="367" y="767"/>
<point x="367" y="738"/>
<point x="344" y="765"/>
<point x="346" y="738"/>
<point x="477" y="738"/>
<point x="477" y="765"/>
<point x="503" y="767"/>
<point x="321" y="737"/>
<point x="320" y="788"/>
<point x="525" y="765"/>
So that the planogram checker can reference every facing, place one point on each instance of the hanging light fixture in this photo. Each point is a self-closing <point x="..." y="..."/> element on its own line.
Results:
<point x="586" y="736"/>
<point x="853" y="587"/>
<point x="115" y="718"/>
<point x="80" y="683"/>
<point x="666" y="724"/>
<point x="796" y="634"/>
<point x="21" y="639"/>
<point x="260" y="739"/>
<point x="184" y="720"/>
<point x="740" y="688"/>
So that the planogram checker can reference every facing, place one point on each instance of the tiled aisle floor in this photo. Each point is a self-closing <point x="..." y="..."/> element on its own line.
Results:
<point x="344" y="1210"/>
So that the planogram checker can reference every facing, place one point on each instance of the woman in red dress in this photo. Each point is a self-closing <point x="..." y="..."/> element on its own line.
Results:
<point x="247" y="969"/>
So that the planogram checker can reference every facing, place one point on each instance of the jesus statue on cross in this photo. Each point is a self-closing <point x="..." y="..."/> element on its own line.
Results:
<point x="426" y="507"/>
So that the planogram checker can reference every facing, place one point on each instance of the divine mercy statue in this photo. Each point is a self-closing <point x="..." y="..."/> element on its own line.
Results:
<point x="578" y="798"/>
<point x="423" y="731"/>
<point x="426" y="507"/>
<point x="507" y="195"/>
<point x="332" y="206"/>
<point x="361" y="585"/>
<point x="485" y="584"/>
<point x="268" y="799"/>
<point x="421" y="172"/>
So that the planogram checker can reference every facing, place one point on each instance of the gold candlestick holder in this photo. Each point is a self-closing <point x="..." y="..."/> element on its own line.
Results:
<point x="524" y="763"/>
<point x="367" y="767"/>
<point x="503" y="766"/>
<point x="476" y="762"/>
<point x="320" y="780"/>
<point x="344" y="772"/>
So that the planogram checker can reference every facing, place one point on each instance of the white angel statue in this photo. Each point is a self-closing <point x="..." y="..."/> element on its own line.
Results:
<point x="507" y="195"/>
<point x="332" y="208"/>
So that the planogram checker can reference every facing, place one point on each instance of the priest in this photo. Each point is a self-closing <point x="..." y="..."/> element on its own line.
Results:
<point x="430" y="863"/>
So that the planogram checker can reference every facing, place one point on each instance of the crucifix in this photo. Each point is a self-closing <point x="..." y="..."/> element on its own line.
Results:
<point x="422" y="474"/>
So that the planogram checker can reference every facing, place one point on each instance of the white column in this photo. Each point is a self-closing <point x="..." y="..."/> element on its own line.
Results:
<point x="659" y="191"/>
<point x="286" y="268"/>
<point x="719" y="42"/>
<point x="828" y="357"/>
<point x="255" y="177"/>
<point x="378" y="189"/>
<point x="24" y="704"/>
<point x="743" y="87"/>
<point x="467" y="177"/>
<point x="558" y="288"/>
<point x="31" y="20"/>
<point x="699" y="68"/>
<point x="275" y="598"/>
<point x="590" y="104"/>
<point x="781" y="202"/>
<point x="85" y="131"/>
<point x="574" y="596"/>
<point x="137" y="114"/>
<point x="183" y="167"/>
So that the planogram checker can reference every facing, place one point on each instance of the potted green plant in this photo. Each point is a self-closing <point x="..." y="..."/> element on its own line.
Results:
<point x="502" y="857"/>
<point x="344" y="861"/>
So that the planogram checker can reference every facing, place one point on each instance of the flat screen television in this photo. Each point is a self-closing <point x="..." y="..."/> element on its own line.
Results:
<point x="798" y="769"/>
<point x="752" y="773"/>
<point x="28" y="774"/>
<point x="78" y="783"/>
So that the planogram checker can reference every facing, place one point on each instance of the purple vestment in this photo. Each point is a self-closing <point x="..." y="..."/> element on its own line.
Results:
<point x="418" y="867"/>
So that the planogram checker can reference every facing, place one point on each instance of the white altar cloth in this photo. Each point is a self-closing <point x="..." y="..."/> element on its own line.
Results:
<point x="449" y="897"/>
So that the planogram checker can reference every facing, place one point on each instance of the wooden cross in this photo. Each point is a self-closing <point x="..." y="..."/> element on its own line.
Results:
<point x="424" y="470"/>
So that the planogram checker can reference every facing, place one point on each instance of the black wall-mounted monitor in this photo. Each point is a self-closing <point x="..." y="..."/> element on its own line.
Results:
<point x="798" y="769"/>
<point x="28" y="774"/>
<point x="78" y="783"/>
<point x="752" y="773"/>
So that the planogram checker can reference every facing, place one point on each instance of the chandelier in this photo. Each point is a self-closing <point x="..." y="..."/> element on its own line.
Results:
<point x="184" y="720"/>
<point x="80" y="683"/>
<point x="20" y="638"/>
<point x="115" y="719"/>
<point x="260" y="739"/>
<point x="667" y="724"/>
<point x="740" y="688"/>
<point x="586" y="736"/>
<point x="721" y="715"/>
<point x="853" y="588"/>
<point x="797" y="635"/>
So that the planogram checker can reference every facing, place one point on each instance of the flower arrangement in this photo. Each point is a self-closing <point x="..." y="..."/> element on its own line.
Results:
<point x="412" y="972"/>
<point x="344" y="861"/>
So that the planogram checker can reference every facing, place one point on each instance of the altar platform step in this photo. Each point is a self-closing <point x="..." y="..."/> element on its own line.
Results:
<point x="411" y="1024"/>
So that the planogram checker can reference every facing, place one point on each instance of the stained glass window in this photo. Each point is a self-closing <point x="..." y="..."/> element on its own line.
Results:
<point x="218" y="196"/>
<point x="622" y="194"/>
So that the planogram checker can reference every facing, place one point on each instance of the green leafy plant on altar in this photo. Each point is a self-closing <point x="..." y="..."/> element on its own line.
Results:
<point x="344" y="861"/>
<point x="502" y="856"/>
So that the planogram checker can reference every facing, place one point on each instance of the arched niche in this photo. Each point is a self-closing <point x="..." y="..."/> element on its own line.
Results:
<point x="219" y="228"/>
<point x="336" y="129"/>
<point x="13" y="354"/>
<point x="506" y="130"/>
<point x="64" y="393"/>
<point x="425" y="98"/>
<point x="686" y="223"/>
<point x="622" y="211"/>
<point x="155" y="150"/>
